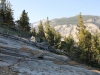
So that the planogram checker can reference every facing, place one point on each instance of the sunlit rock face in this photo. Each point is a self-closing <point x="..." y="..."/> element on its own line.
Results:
<point x="68" y="25"/>
<point x="21" y="58"/>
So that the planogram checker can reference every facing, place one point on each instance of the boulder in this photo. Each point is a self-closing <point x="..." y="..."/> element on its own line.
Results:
<point x="35" y="39"/>
<point x="40" y="55"/>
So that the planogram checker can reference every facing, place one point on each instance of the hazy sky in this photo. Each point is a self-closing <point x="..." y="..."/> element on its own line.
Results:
<point x="40" y="9"/>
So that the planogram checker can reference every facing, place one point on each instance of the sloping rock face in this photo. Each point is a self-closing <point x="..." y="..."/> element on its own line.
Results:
<point x="22" y="58"/>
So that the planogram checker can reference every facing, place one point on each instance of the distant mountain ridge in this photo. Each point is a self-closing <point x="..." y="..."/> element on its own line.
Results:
<point x="67" y="25"/>
<point x="73" y="20"/>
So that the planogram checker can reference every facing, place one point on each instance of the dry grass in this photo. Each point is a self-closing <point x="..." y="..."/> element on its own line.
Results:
<point x="72" y="63"/>
<point x="35" y="52"/>
<point x="25" y="49"/>
<point x="59" y="62"/>
<point x="95" y="71"/>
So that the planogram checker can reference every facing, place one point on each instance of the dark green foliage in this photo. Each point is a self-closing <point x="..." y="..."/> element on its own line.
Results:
<point x="84" y="43"/>
<point x="62" y="45"/>
<point x="48" y="33"/>
<point x="69" y="43"/>
<point x="41" y="33"/>
<point x="6" y="13"/>
<point x="88" y="45"/>
<point x="51" y="35"/>
<point x="57" y="39"/>
<point x="87" y="49"/>
<point x="3" y="9"/>
<point x="24" y="22"/>
<point x="9" y="16"/>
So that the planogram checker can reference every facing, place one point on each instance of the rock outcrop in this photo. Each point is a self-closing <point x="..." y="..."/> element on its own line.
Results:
<point x="20" y="57"/>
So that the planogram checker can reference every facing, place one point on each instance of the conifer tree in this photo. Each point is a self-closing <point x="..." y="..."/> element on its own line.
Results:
<point x="51" y="35"/>
<point x="57" y="39"/>
<point x="2" y="9"/>
<point x="41" y="33"/>
<point x="95" y="49"/>
<point x="6" y="13"/>
<point x="48" y="33"/>
<point x="24" y="21"/>
<point x="9" y="15"/>
<point x="69" y="42"/>
<point x="84" y="37"/>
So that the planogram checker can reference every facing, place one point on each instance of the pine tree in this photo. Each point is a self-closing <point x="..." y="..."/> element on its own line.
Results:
<point x="69" y="43"/>
<point x="9" y="15"/>
<point x="95" y="49"/>
<point x="84" y="37"/>
<point x="24" y="21"/>
<point x="51" y="35"/>
<point x="2" y="9"/>
<point x="48" y="33"/>
<point x="6" y="13"/>
<point x="41" y="33"/>
<point x="57" y="39"/>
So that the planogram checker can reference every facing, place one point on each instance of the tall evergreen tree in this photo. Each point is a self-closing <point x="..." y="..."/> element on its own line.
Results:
<point x="84" y="37"/>
<point x="51" y="35"/>
<point x="9" y="15"/>
<point x="6" y="13"/>
<point x="69" y="42"/>
<point x="95" y="49"/>
<point x="24" y="21"/>
<point x="57" y="39"/>
<point x="48" y="33"/>
<point x="2" y="9"/>
<point x="41" y="33"/>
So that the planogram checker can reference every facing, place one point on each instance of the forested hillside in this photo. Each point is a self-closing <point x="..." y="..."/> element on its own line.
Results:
<point x="58" y="46"/>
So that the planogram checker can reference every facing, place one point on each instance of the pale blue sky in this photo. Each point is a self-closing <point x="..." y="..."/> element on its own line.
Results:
<point x="40" y="9"/>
